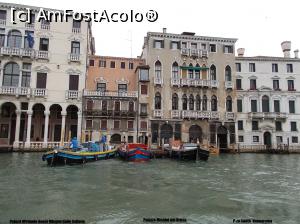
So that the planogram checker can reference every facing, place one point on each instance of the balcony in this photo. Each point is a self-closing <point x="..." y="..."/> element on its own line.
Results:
<point x="42" y="55"/>
<point x="157" y="113"/>
<point x="72" y="94"/>
<point x="204" y="53"/>
<point x="215" y="115"/>
<point x="175" y="114"/>
<point x="39" y="92"/>
<point x="29" y="26"/>
<point x="185" y="51"/>
<point x="194" y="53"/>
<point x="228" y="85"/>
<point x="214" y="84"/>
<point x="143" y="114"/>
<point x="175" y="82"/>
<point x="132" y="94"/>
<point x="2" y="22"/>
<point x="76" y="30"/>
<point x="267" y="115"/>
<point x="190" y="114"/>
<point x="74" y="57"/>
<point x="229" y="116"/>
<point x="20" y="52"/>
<point x="195" y="82"/>
<point x="45" y="26"/>
<point x="158" y="81"/>
<point x="17" y="91"/>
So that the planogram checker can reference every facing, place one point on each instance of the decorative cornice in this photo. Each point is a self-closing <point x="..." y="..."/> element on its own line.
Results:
<point x="194" y="38"/>
<point x="100" y="80"/>
<point x="267" y="58"/>
<point x="122" y="81"/>
<point x="44" y="34"/>
<point x="76" y="37"/>
<point x="42" y="68"/>
<point x="72" y="71"/>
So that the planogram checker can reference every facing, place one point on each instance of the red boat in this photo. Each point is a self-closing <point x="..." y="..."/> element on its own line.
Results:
<point x="134" y="152"/>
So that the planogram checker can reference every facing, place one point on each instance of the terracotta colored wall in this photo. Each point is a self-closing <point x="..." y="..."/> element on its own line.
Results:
<point x="111" y="75"/>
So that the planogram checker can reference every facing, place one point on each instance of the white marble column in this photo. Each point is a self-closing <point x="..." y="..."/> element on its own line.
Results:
<point x="79" y="121"/>
<point x="17" y="131"/>
<point x="46" y="124"/>
<point x="63" y="125"/>
<point x="29" y="117"/>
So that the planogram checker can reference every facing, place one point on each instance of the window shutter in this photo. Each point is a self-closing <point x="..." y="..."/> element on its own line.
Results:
<point x="223" y="48"/>
<point x="73" y="82"/>
<point x="154" y="43"/>
<point x="179" y="45"/>
<point x="41" y="81"/>
<point x="171" y="44"/>
<point x="162" y="44"/>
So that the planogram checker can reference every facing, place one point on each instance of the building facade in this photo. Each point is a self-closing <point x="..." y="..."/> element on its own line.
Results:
<point x="110" y="99"/>
<point x="190" y="91"/>
<point x="43" y="69"/>
<point x="268" y="100"/>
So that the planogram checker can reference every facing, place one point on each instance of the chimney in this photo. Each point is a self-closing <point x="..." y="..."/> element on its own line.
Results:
<point x="164" y="30"/>
<point x="286" y="48"/>
<point x="296" y="53"/>
<point x="241" y="52"/>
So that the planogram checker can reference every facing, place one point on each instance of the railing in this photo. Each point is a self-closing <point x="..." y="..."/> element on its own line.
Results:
<point x="72" y="94"/>
<point x="268" y="115"/>
<point x="175" y="82"/>
<point x="228" y="84"/>
<point x="2" y="22"/>
<point x="42" y="55"/>
<point x="185" y="51"/>
<point x="110" y="94"/>
<point x="194" y="52"/>
<point x="214" y="83"/>
<point x="39" y="92"/>
<point x="45" y="26"/>
<point x="11" y="90"/>
<point x="200" y="114"/>
<point x="76" y="30"/>
<point x="29" y="25"/>
<point x="158" y="81"/>
<point x="157" y="113"/>
<point x="229" y="115"/>
<point x="14" y="51"/>
<point x="204" y="53"/>
<point x="175" y="114"/>
<point x="74" y="57"/>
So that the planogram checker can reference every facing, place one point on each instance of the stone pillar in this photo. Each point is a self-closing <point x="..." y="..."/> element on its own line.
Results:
<point x="63" y="124"/>
<point x="17" y="131"/>
<point x="29" y="117"/>
<point x="79" y="121"/>
<point x="47" y="113"/>
<point x="1" y="76"/>
<point x="228" y="138"/>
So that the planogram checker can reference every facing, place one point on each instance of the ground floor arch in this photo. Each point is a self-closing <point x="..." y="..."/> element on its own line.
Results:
<point x="267" y="139"/>
<point x="115" y="138"/>
<point x="222" y="137"/>
<point x="166" y="133"/>
<point x="195" y="133"/>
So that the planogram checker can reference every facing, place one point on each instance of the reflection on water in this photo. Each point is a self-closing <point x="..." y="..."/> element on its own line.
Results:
<point x="226" y="187"/>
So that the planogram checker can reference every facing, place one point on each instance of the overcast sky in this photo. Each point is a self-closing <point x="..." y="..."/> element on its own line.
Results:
<point x="259" y="25"/>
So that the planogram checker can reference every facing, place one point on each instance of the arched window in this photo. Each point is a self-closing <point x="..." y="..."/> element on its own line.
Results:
<point x="14" y="39"/>
<point x="204" y="72"/>
<point x="184" y="102"/>
<point x="265" y="104"/>
<point x="214" y="103"/>
<point x="191" y="71"/>
<point x="11" y="74"/>
<point x="157" y="101"/>
<point x="174" y="101"/>
<point x="104" y="105"/>
<point x="158" y="70"/>
<point x="191" y="102"/>
<point x="204" y="103"/>
<point x="229" y="104"/>
<point x="197" y="71"/>
<point x="213" y="72"/>
<point x="227" y="73"/>
<point x="198" y="102"/>
<point x="131" y="106"/>
<point x="175" y="74"/>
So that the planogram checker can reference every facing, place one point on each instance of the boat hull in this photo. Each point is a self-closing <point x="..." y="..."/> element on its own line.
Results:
<point x="56" y="157"/>
<point x="189" y="154"/>
<point x="136" y="154"/>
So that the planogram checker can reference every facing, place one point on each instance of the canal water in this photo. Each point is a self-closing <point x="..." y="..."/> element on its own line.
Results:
<point x="227" y="187"/>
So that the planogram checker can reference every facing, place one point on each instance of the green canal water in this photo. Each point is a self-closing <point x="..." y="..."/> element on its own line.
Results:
<point x="227" y="187"/>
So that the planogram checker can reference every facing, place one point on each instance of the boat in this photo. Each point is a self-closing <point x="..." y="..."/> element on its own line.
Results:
<point x="134" y="152"/>
<point x="87" y="152"/>
<point x="187" y="151"/>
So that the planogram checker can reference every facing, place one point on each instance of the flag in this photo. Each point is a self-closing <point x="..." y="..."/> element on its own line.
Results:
<point x="30" y="40"/>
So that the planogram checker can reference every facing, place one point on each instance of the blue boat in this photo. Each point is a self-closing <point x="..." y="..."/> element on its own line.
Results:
<point x="87" y="153"/>
<point x="135" y="152"/>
